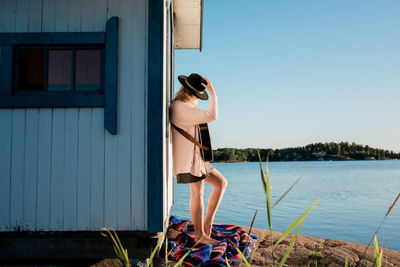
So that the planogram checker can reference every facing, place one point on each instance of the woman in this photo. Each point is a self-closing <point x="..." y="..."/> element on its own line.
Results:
<point x="188" y="165"/>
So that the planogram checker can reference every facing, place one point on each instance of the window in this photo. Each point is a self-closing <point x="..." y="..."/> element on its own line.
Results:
<point x="61" y="69"/>
<point x="58" y="69"/>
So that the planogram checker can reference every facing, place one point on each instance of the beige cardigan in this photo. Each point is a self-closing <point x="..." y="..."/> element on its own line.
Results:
<point x="185" y="115"/>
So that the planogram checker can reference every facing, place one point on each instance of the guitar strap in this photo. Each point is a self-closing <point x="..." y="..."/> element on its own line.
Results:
<point x="189" y="137"/>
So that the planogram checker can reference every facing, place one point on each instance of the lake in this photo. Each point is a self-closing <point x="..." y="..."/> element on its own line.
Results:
<point x="355" y="198"/>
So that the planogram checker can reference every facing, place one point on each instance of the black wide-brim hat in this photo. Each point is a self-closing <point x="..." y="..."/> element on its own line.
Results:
<point x="193" y="84"/>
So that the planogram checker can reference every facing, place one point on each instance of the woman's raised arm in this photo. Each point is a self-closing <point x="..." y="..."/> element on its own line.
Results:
<point x="187" y="115"/>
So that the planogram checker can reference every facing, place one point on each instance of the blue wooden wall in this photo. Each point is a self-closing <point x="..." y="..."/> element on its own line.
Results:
<point x="59" y="168"/>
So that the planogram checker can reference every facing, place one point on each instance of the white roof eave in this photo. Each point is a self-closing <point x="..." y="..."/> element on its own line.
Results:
<point x="188" y="24"/>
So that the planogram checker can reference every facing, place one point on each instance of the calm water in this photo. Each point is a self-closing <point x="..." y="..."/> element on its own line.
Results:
<point x="356" y="197"/>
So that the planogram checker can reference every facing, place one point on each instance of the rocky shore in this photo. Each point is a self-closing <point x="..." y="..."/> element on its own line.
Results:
<point x="307" y="251"/>
<point x="311" y="251"/>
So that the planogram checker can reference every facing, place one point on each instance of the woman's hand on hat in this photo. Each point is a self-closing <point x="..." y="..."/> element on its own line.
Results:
<point x="209" y="86"/>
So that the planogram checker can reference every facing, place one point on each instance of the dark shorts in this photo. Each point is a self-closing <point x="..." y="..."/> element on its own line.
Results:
<point x="185" y="178"/>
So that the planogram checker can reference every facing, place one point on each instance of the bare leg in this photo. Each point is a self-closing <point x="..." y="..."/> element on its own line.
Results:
<point x="197" y="206"/>
<point x="216" y="179"/>
<point x="197" y="212"/>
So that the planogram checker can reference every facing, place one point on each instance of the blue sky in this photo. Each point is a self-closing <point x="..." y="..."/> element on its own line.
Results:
<point x="290" y="73"/>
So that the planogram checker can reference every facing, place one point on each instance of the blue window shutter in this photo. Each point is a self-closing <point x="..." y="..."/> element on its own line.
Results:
<point x="111" y="75"/>
<point x="6" y="54"/>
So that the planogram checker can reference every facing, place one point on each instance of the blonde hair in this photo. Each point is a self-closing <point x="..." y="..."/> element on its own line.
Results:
<point x="183" y="94"/>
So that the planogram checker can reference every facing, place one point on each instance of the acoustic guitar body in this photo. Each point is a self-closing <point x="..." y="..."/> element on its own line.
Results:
<point x="205" y="139"/>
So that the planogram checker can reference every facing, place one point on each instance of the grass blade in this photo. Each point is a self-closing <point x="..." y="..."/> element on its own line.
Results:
<point x="117" y="249"/>
<point x="290" y="188"/>
<point x="243" y="257"/>
<point x="184" y="256"/>
<point x="119" y="242"/>
<point x="377" y="253"/>
<point x="227" y="262"/>
<point x="379" y="227"/>
<point x="293" y="224"/>
<point x="252" y="222"/>
<point x="253" y="251"/>
<point x="122" y="254"/>
<point x="166" y="250"/>
<point x="290" y="245"/>
<point x="268" y="193"/>
<point x="267" y="188"/>
<point x="150" y="260"/>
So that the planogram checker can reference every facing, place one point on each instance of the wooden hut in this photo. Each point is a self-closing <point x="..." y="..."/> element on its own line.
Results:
<point x="84" y="142"/>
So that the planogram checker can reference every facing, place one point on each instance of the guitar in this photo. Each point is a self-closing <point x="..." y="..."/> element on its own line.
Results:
<point x="205" y="140"/>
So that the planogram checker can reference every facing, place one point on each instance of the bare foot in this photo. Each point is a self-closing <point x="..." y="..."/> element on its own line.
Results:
<point x="205" y="240"/>
<point x="207" y="230"/>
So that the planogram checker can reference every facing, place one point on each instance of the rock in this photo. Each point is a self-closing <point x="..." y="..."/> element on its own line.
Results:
<point x="313" y="251"/>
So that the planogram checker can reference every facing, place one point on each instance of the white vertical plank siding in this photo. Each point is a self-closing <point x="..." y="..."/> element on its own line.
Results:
<point x="18" y="139"/>
<point x="7" y="24"/>
<point x="85" y="131"/>
<point x="35" y="15"/>
<point x="58" y="145"/>
<point x="30" y="177"/>
<point x="71" y="169"/>
<point x="74" y="16"/>
<point x="44" y="169"/>
<point x="111" y="153"/>
<point x="57" y="169"/>
<point x="138" y="103"/>
<point x="97" y="185"/>
<point x="17" y="168"/>
<point x="5" y="168"/>
<point x="124" y="116"/>
<point x="21" y="19"/>
<point x="84" y="168"/>
<point x="34" y="9"/>
<point x="110" y="194"/>
<point x="87" y="15"/>
<point x="2" y="11"/>
<point x="97" y="164"/>
<point x="48" y="16"/>
<point x="100" y="15"/>
<point x="61" y="16"/>
<point x="45" y="138"/>
<point x="72" y="138"/>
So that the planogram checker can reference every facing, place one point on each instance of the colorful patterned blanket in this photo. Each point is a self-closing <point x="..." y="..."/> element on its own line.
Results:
<point x="229" y="236"/>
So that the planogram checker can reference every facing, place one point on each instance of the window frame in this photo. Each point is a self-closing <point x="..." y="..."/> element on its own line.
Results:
<point x="46" y="48"/>
<point x="10" y="97"/>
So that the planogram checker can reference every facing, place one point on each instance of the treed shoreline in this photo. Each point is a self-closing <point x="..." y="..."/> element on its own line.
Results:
<point x="310" y="152"/>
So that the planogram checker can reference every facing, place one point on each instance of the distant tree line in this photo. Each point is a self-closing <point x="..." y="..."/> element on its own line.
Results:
<point x="317" y="151"/>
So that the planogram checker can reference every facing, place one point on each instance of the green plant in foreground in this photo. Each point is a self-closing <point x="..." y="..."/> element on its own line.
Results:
<point x="153" y="253"/>
<point x="120" y="251"/>
<point x="296" y="223"/>
<point x="166" y="250"/>
<point x="187" y="253"/>
<point x="379" y="227"/>
<point x="346" y="263"/>
<point x="378" y="253"/>
<point x="150" y="260"/>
